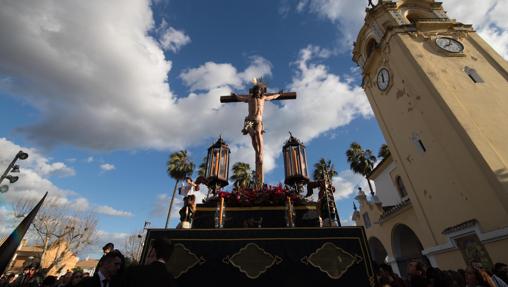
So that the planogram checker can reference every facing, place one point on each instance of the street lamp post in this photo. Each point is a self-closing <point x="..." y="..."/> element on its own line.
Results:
<point x="13" y="167"/>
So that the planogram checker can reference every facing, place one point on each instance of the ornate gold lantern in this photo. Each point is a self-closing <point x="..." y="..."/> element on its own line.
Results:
<point x="217" y="164"/>
<point x="295" y="162"/>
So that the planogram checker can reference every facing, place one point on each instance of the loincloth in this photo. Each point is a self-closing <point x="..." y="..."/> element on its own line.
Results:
<point x="249" y="125"/>
<point x="252" y="125"/>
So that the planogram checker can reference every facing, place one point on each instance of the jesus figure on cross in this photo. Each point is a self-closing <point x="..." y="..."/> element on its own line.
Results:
<point x="253" y="124"/>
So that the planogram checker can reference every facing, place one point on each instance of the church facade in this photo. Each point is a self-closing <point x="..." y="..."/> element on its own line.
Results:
<point x="439" y="93"/>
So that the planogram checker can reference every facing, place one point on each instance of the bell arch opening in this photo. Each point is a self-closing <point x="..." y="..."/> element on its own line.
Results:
<point x="370" y="47"/>
<point x="377" y="250"/>
<point x="414" y="16"/>
<point x="406" y="247"/>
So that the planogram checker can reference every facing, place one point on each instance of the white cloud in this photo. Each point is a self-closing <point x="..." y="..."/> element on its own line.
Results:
<point x="35" y="160"/>
<point x="89" y="159"/>
<point x="34" y="172"/>
<point x="211" y="75"/>
<point x="107" y="167"/>
<point x="498" y="38"/>
<point x="348" y="15"/>
<point x="80" y="204"/>
<point x="34" y="181"/>
<point x="108" y="210"/>
<point x="123" y="76"/>
<point x="172" y="39"/>
<point x="489" y="17"/>
<point x="346" y="182"/>
<point x="7" y="221"/>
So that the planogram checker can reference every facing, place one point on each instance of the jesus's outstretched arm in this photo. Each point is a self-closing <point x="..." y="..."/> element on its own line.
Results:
<point x="240" y="98"/>
<point x="273" y="96"/>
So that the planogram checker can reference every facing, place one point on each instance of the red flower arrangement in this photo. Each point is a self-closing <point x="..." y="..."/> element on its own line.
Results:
<point x="248" y="197"/>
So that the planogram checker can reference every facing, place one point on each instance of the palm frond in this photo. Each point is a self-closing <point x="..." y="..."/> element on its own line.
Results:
<point x="179" y="165"/>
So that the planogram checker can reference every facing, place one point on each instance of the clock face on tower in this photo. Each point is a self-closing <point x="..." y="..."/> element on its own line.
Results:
<point x="383" y="79"/>
<point x="449" y="45"/>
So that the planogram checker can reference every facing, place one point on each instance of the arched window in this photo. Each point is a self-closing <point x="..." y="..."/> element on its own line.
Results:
<point x="400" y="187"/>
<point x="414" y="15"/>
<point x="366" y="220"/>
<point x="371" y="46"/>
<point x="475" y="77"/>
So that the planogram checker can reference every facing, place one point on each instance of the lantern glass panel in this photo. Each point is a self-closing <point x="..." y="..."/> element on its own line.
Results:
<point x="294" y="159"/>
<point x="304" y="162"/>
<point x="290" y="163"/>
<point x="215" y="162"/>
<point x="222" y="162"/>
<point x="298" y="161"/>
<point x="286" y="165"/>
<point x="208" y="165"/>
<point x="219" y="161"/>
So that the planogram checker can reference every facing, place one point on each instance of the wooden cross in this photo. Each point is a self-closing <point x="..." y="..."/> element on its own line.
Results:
<point x="283" y="96"/>
<point x="253" y="124"/>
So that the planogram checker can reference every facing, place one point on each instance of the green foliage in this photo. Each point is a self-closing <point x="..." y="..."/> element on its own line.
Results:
<point x="323" y="166"/>
<point x="179" y="165"/>
<point x="242" y="175"/>
<point x="77" y="269"/>
<point x="384" y="151"/>
<point x="202" y="167"/>
<point x="360" y="161"/>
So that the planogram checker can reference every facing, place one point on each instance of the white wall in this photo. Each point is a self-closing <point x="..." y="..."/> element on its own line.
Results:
<point x="386" y="190"/>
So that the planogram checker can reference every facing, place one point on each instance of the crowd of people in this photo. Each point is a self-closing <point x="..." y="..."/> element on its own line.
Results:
<point x="111" y="271"/>
<point x="418" y="275"/>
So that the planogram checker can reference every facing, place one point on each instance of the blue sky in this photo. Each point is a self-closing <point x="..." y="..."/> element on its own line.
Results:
<point x="101" y="93"/>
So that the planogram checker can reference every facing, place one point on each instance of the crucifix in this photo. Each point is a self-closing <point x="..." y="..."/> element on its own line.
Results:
<point x="253" y="124"/>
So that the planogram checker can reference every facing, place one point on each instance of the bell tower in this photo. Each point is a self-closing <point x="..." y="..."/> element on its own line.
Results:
<point x="440" y="95"/>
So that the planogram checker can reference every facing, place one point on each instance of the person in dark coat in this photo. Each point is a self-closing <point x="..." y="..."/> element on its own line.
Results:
<point x="154" y="274"/>
<point x="32" y="277"/>
<point x="111" y="264"/>
<point x="416" y="272"/>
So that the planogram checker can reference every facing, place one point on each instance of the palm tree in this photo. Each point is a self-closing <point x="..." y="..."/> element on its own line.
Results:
<point x="361" y="161"/>
<point x="202" y="167"/>
<point x="384" y="151"/>
<point x="179" y="166"/>
<point x="242" y="175"/>
<point x="320" y="169"/>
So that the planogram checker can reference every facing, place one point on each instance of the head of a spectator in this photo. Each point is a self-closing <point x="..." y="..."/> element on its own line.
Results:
<point x="385" y="270"/>
<point x="49" y="281"/>
<point x="191" y="199"/>
<point x="108" y="248"/>
<point x="415" y="268"/>
<point x="111" y="264"/>
<point x="76" y="277"/>
<point x="473" y="277"/>
<point x="65" y="279"/>
<point x="457" y="278"/>
<point x="501" y="271"/>
<point x="161" y="249"/>
<point x="32" y="270"/>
